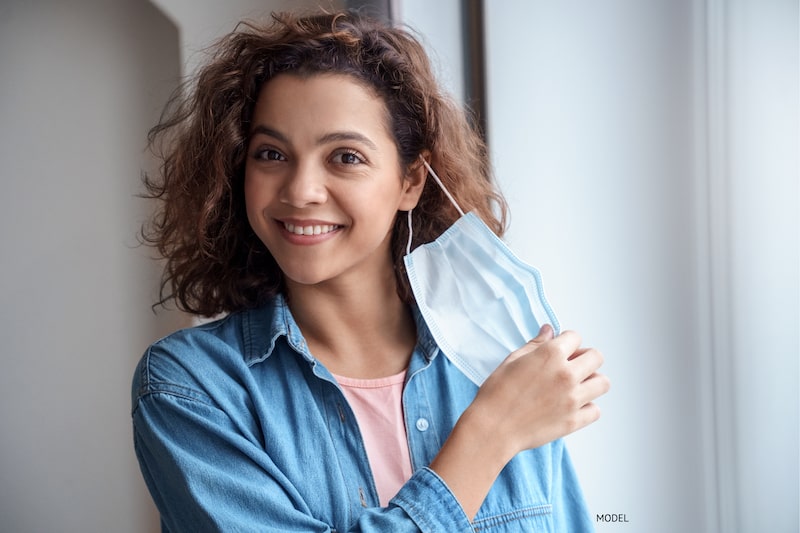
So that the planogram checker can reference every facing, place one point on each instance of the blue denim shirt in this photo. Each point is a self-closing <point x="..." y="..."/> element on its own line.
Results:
<point x="238" y="428"/>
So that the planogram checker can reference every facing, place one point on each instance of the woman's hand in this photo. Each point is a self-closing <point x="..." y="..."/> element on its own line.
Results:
<point x="541" y="392"/>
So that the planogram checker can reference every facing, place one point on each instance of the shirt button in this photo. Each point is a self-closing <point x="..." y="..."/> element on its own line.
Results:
<point x="422" y="424"/>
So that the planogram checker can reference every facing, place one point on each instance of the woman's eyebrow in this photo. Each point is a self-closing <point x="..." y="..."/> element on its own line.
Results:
<point x="336" y="136"/>
<point x="346" y="136"/>
<point x="264" y="130"/>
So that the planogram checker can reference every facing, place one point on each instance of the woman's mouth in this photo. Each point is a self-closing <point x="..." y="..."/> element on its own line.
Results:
<point x="314" y="229"/>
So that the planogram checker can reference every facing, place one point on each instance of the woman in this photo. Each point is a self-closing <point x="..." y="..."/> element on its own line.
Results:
<point x="321" y="401"/>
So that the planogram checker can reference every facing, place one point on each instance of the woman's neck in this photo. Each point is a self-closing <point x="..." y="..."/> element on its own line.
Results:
<point x="357" y="330"/>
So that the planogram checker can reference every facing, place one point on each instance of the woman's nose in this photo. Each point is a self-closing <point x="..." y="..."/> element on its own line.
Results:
<point x="304" y="186"/>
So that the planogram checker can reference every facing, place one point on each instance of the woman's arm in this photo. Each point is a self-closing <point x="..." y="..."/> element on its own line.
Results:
<point x="541" y="392"/>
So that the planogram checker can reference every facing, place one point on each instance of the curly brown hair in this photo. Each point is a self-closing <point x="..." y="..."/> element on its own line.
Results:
<point x="214" y="261"/>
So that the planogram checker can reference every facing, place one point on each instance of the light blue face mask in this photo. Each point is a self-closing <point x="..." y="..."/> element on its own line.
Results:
<point x="478" y="299"/>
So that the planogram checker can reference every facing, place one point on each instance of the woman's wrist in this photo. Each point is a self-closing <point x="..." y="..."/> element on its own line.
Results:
<point x="472" y="457"/>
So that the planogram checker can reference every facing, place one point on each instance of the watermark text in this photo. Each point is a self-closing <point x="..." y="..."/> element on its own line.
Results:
<point x="612" y="518"/>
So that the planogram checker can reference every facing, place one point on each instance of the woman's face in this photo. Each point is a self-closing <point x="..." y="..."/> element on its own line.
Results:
<point x="323" y="182"/>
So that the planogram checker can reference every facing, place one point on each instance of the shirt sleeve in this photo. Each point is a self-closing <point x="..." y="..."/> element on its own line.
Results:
<point x="569" y="508"/>
<point x="204" y="475"/>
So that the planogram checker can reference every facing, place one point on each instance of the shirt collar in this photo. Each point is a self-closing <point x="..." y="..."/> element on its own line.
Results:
<point x="262" y="327"/>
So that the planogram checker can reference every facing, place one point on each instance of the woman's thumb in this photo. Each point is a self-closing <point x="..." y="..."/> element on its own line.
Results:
<point x="545" y="333"/>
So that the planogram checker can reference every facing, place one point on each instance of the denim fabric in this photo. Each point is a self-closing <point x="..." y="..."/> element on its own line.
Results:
<point x="238" y="428"/>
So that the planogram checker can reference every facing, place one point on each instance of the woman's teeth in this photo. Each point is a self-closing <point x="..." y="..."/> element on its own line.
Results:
<point x="309" y="230"/>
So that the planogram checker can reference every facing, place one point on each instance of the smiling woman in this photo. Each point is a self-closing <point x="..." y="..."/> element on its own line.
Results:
<point x="322" y="402"/>
<point x="318" y="158"/>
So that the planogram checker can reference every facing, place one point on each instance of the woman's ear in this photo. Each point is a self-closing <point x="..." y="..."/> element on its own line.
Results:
<point x="413" y="183"/>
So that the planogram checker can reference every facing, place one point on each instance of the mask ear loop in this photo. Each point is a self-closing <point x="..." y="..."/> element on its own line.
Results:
<point x="444" y="190"/>
<point x="410" y="232"/>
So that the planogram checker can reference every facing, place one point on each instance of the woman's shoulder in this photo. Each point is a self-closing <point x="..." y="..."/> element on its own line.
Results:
<point x="189" y="341"/>
<point x="190" y="359"/>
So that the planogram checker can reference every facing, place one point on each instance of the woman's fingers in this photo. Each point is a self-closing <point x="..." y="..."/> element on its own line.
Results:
<point x="585" y="362"/>
<point x="593" y="387"/>
<point x="567" y="343"/>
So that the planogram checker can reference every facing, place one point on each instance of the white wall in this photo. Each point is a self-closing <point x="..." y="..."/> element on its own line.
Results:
<point x="649" y="151"/>
<point x="80" y="83"/>
<point x="762" y="203"/>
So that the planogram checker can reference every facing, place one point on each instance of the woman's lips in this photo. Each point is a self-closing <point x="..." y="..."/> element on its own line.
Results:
<point x="309" y="229"/>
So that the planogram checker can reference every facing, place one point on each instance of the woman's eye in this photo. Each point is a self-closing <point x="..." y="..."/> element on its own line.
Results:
<point x="268" y="154"/>
<point x="348" y="158"/>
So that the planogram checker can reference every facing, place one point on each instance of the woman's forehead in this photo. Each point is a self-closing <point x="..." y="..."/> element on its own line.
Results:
<point x="320" y="102"/>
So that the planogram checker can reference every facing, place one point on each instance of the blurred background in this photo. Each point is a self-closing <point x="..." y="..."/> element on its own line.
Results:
<point x="649" y="150"/>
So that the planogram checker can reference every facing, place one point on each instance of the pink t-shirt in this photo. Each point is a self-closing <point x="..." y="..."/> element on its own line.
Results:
<point x="378" y="406"/>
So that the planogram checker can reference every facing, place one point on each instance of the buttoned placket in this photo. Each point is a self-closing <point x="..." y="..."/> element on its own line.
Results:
<point x="361" y="487"/>
<point x="423" y="442"/>
<point x="421" y="437"/>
